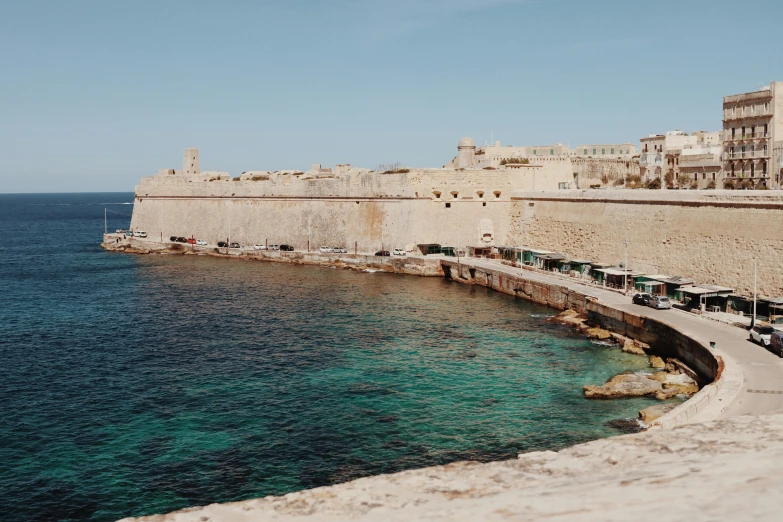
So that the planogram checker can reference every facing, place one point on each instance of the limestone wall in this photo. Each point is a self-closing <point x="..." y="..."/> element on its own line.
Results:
<point x="359" y="209"/>
<point x="710" y="236"/>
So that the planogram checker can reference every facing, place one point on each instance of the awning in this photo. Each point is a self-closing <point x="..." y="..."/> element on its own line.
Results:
<point x="551" y="257"/>
<point x="705" y="290"/>
<point x="618" y="272"/>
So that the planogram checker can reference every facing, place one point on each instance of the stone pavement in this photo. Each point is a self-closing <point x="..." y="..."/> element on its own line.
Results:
<point x="723" y="470"/>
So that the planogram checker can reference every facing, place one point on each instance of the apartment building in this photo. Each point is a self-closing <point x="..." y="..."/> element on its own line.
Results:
<point x="753" y="137"/>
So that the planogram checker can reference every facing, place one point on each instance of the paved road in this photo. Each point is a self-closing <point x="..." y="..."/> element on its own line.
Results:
<point x="762" y="389"/>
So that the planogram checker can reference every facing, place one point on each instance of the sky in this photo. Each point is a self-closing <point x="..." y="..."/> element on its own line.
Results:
<point x="95" y="94"/>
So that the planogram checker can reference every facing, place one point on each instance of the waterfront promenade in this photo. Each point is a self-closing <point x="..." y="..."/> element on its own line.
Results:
<point x="756" y="388"/>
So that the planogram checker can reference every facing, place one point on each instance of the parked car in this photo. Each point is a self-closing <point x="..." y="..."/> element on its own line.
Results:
<point x="660" y="302"/>
<point x="173" y="239"/>
<point x="274" y="247"/>
<point x="233" y="245"/>
<point x="399" y="252"/>
<point x="259" y="246"/>
<point x="339" y="250"/>
<point x="222" y="244"/>
<point x="201" y="242"/>
<point x="642" y="298"/>
<point x="326" y="250"/>
<point x="191" y="240"/>
<point x="182" y="239"/>
<point x="761" y="334"/>
<point x="140" y="233"/>
<point x="383" y="253"/>
<point x="776" y="343"/>
<point x="286" y="248"/>
<point x="128" y="234"/>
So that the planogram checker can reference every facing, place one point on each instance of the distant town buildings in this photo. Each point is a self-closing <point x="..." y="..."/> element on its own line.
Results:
<point x="753" y="137"/>
<point x="746" y="153"/>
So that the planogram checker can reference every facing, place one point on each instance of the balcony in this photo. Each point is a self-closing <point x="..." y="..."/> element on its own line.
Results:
<point x="754" y="154"/>
<point x="728" y="116"/>
<point x="759" y="135"/>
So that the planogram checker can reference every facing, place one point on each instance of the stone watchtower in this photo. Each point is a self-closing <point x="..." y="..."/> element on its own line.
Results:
<point x="466" y="153"/>
<point x="190" y="163"/>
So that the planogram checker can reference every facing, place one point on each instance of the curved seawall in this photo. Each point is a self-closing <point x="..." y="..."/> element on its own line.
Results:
<point x="665" y="339"/>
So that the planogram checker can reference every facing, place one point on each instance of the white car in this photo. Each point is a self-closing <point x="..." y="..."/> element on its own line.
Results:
<point x="326" y="250"/>
<point x="259" y="247"/>
<point x="399" y="252"/>
<point x="139" y="233"/>
<point x="274" y="247"/>
<point x="339" y="250"/>
<point x="201" y="242"/>
<point x="761" y="334"/>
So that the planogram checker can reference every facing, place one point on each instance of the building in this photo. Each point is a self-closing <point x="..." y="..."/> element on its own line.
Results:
<point x="701" y="166"/>
<point x="589" y="164"/>
<point x="753" y="137"/>
<point x="661" y="157"/>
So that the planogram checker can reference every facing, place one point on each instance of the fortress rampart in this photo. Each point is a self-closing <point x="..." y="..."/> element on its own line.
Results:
<point x="710" y="236"/>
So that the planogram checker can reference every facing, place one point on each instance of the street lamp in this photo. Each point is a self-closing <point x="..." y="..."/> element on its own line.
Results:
<point x="625" y="266"/>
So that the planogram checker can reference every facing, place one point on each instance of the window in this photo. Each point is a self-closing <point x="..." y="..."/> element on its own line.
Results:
<point x="713" y="176"/>
<point x="612" y="150"/>
<point x="551" y="152"/>
<point x="448" y="205"/>
<point x="534" y="152"/>
<point x="594" y="152"/>
<point x="603" y="151"/>
<point x="454" y="194"/>
<point x="497" y="194"/>
<point x="585" y="152"/>
<point x="562" y="186"/>
<point x="483" y="203"/>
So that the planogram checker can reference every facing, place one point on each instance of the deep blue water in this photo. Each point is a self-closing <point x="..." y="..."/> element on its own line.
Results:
<point x="134" y="385"/>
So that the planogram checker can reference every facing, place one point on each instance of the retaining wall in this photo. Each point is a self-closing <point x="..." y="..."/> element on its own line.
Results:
<point x="664" y="339"/>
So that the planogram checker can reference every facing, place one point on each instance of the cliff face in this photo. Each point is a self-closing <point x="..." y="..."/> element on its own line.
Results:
<point x="723" y="470"/>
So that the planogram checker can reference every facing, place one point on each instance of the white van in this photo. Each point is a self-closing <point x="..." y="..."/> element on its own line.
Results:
<point x="139" y="233"/>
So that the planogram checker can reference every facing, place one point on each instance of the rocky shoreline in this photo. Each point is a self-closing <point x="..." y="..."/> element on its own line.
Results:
<point x="667" y="379"/>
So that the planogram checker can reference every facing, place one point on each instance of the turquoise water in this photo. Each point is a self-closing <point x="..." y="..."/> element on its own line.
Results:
<point x="135" y="385"/>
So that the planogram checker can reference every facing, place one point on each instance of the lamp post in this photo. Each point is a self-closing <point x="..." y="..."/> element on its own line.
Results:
<point x="753" y="322"/>
<point x="625" y="271"/>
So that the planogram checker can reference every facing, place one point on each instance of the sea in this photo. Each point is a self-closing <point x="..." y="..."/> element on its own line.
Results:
<point x="139" y="384"/>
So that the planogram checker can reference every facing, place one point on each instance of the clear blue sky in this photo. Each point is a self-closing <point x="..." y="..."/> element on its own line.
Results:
<point x="95" y="94"/>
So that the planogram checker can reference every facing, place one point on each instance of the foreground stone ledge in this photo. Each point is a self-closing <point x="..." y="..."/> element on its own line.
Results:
<point x="721" y="470"/>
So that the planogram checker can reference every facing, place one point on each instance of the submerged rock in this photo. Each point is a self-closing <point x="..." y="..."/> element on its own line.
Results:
<point x="598" y="333"/>
<point x="661" y="385"/>
<point x="633" y="347"/>
<point x="648" y="415"/>
<point x="568" y="317"/>
<point x="624" y="385"/>
<point x="657" y="362"/>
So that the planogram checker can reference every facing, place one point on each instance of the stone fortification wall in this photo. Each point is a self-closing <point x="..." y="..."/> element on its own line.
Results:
<point x="358" y="209"/>
<point x="709" y="236"/>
